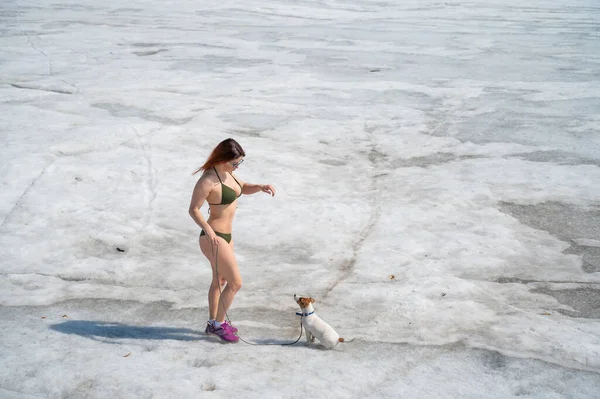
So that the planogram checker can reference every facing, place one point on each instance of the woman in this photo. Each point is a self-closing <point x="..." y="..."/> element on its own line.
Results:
<point x="221" y="189"/>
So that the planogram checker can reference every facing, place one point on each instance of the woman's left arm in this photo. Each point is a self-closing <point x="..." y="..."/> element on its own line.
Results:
<point x="250" y="188"/>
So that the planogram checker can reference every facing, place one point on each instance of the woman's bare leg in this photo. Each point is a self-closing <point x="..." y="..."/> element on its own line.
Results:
<point x="214" y="292"/>
<point x="214" y="295"/>
<point x="228" y="276"/>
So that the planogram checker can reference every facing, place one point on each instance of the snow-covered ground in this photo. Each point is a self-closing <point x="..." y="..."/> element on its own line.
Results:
<point x="437" y="167"/>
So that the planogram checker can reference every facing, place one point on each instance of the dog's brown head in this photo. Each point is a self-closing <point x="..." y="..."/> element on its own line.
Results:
<point x="303" y="301"/>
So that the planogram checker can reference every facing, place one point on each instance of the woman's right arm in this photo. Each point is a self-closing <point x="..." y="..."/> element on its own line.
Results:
<point x="201" y="192"/>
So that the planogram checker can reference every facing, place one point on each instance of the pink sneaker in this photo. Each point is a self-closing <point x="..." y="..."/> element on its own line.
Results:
<point x="229" y="327"/>
<point x="223" y="333"/>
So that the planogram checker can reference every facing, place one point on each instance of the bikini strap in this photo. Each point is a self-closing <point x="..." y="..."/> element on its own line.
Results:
<point x="236" y="180"/>
<point x="217" y="173"/>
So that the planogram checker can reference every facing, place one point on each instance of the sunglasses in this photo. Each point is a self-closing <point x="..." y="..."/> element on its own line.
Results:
<point x="236" y="164"/>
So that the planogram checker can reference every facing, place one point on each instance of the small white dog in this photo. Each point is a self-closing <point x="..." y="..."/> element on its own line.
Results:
<point x="314" y="326"/>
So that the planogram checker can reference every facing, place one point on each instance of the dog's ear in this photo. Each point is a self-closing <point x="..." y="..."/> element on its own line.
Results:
<point x="312" y="300"/>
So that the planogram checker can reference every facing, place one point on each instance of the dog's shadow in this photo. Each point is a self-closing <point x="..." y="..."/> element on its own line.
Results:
<point x="107" y="331"/>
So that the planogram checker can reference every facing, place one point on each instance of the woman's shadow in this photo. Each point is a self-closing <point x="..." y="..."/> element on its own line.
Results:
<point x="106" y="331"/>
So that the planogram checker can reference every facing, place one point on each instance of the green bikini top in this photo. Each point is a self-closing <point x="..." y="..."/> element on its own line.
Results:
<point x="227" y="193"/>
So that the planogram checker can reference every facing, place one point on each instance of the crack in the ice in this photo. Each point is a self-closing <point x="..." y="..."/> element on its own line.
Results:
<point x="150" y="178"/>
<point x="347" y="268"/>
<point x="513" y="280"/>
<point x="48" y="59"/>
<point x="50" y="68"/>
<point x="23" y="194"/>
<point x="105" y="282"/>
<point x="28" y="87"/>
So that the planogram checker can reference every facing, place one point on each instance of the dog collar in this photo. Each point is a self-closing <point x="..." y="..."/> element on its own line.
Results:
<point x="304" y="314"/>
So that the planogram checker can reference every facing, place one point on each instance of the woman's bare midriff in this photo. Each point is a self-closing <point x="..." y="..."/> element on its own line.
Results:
<point x="221" y="217"/>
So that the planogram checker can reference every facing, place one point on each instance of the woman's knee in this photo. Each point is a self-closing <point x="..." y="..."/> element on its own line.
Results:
<point x="234" y="285"/>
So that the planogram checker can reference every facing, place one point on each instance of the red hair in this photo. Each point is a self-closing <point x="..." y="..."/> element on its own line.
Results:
<point x="227" y="150"/>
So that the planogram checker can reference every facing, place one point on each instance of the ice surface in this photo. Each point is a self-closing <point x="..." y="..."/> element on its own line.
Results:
<point x="438" y="193"/>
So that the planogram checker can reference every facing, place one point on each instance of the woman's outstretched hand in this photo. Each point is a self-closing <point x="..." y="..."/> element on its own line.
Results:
<point x="267" y="188"/>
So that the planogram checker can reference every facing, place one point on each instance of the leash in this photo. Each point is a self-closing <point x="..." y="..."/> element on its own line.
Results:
<point x="227" y="316"/>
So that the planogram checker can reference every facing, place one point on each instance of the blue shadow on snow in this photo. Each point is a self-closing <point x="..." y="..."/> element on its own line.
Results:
<point x="98" y="330"/>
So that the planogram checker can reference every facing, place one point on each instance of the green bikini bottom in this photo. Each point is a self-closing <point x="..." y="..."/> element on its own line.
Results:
<point x="225" y="236"/>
